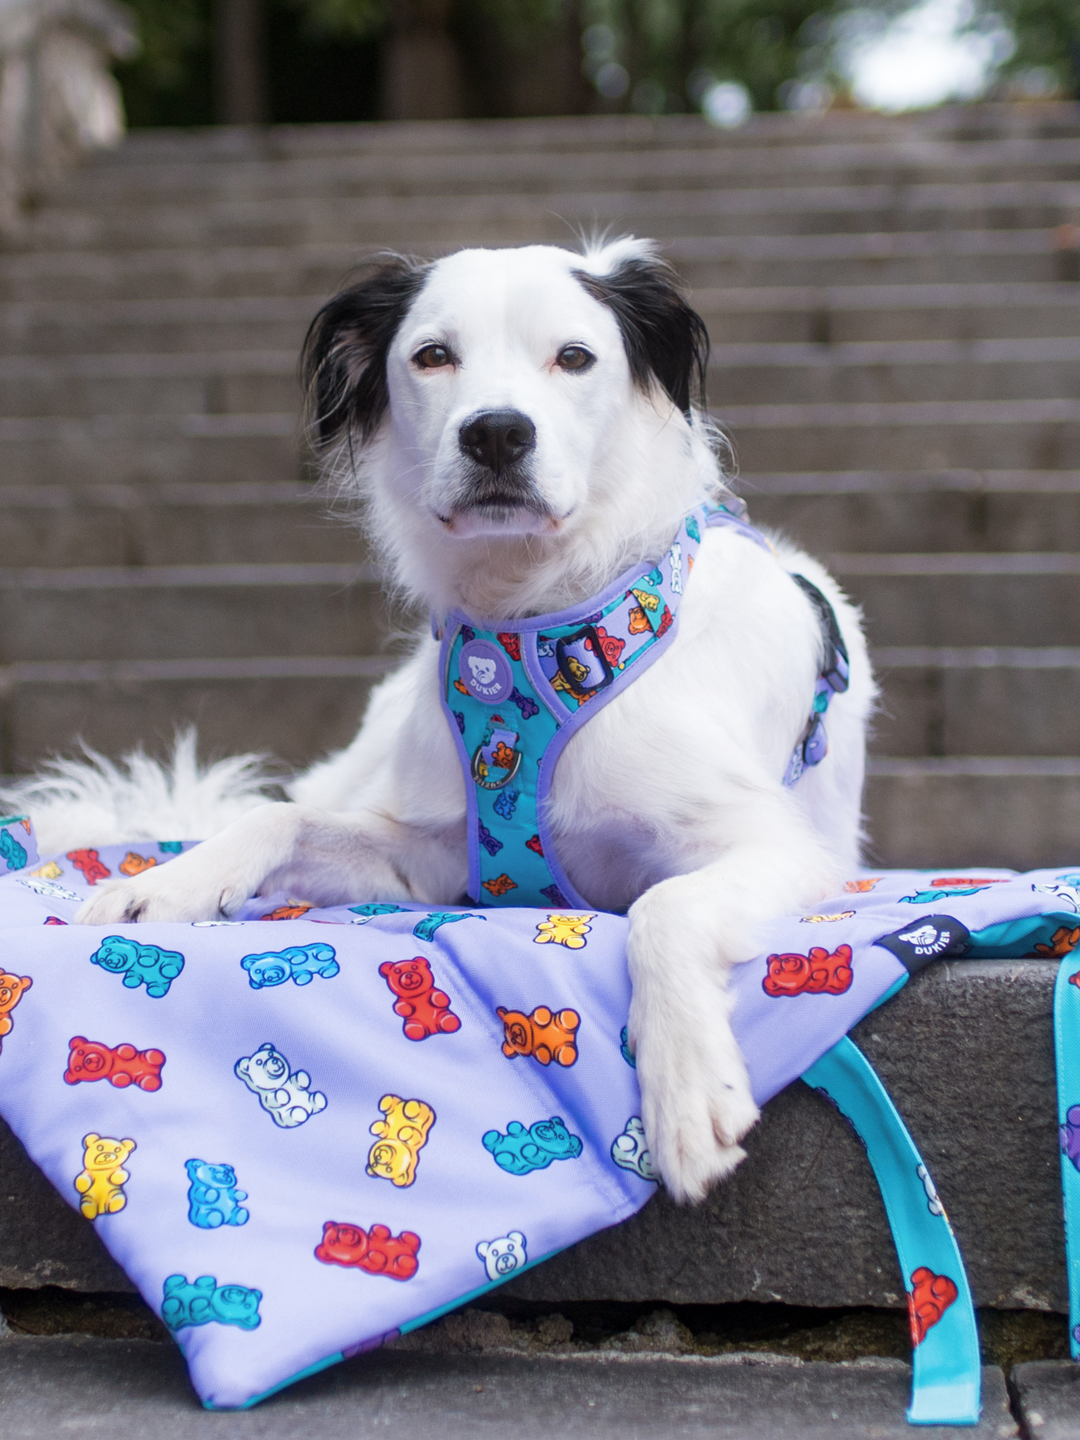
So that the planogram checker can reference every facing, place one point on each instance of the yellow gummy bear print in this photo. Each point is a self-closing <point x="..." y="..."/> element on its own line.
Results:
<point x="402" y="1135"/>
<point x="568" y="930"/>
<point x="49" y="871"/>
<point x="100" y="1182"/>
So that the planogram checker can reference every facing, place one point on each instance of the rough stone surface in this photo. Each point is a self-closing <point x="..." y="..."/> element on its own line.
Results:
<point x="129" y="1389"/>
<point x="1048" y="1395"/>
<point x="965" y="1050"/>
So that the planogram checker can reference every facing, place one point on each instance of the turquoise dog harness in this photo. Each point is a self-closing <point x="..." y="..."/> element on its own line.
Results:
<point x="516" y="691"/>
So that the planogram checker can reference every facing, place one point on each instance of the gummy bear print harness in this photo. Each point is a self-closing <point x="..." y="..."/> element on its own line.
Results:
<point x="516" y="691"/>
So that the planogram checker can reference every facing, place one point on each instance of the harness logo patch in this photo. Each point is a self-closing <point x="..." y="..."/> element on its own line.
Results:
<point x="485" y="672"/>
<point x="929" y="938"/>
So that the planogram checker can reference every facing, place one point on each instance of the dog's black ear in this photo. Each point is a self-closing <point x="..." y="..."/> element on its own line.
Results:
<point x="343" y="362"/>
<point x="666" y="341"/>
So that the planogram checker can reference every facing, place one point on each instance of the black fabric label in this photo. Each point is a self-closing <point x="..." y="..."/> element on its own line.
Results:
<point x="927" y="938"/>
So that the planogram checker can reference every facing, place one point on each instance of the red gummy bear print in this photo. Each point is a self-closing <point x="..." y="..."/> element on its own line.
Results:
<point x="813" y="974"/>
<point x="87" y="861"/>
<point x="928" y="1299"/>
<point x="121" y="1065"/>
<point x="511" y="643"/>
<point x="425" y="1010"/>
<point x="375" y="1250"/>
<point x="611" y="645"/>
<point x="533" y="843"/>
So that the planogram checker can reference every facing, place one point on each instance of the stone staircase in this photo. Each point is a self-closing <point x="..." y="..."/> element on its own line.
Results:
<point x="895" y="314"/>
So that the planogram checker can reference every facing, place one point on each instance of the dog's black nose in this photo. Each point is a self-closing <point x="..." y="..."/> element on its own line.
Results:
<point x="497" y="438"/>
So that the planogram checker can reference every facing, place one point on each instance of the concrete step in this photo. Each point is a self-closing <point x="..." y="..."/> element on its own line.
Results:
<point x="832" y="315"/>
<point x="250" y="522"/>
<point x="174" y="611"/>
<point x="966" y="598"/>
<point x="851" y="372"/>
<point x="184" y="450"/>
<point x="977" y="701"/>
<point x="935" y="703"/>
<point x="920" y="511"/>
<point x="319" y="266"/>
<point x="231" y="523"/>
<point x="373" y="165"/>
<point x="216" y="383"/>
<point x="819" y="316"/>
<point x="231" y="323"/>
<point x="292" y="707"/>
<point x="1048" y="1398"/>
<point x="1032" y="434"/>
<point x="1019" y="811"/>
<point x="668" y="214"/>
<point x="246" y="381"/>
<point x="137" y="1387"/>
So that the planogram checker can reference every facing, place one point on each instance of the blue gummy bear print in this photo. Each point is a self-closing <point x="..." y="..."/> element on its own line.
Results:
<point x="198" y="1302"/>
<point x="425" y="929"/>
<point x="487" y="840"/>
<point x="692" y="528"/>
<point x="624" y="1046"/>
<point x="506" y="803"/>
<point x="371" y="910"/>
<point x="147" y="965"/>
<point x="931" y="897"/>
<point x="520" y="1151"/>
<point x="170" y="847"/>
<point x="11" y="851"/>
<point x="299" y="963"/>
<point x="213" y="1199"/>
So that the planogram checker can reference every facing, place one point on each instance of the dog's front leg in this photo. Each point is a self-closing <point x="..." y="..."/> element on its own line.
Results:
<point x="324" y="857"/>
<point x="686" y="933"/>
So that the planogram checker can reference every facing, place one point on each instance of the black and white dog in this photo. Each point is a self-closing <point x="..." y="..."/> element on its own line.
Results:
<point x="522" y="425"/>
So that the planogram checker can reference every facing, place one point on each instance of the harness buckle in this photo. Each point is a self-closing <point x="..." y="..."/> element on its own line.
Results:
<point x="586" y="660"/>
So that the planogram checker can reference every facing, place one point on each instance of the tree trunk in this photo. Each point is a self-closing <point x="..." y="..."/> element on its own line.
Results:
<point x="422" y="77"/>
<point x="240" y="87"/>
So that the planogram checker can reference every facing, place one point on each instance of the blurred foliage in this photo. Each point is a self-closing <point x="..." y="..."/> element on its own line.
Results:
<point x="1047" y="37"/>
<point x="644" y="55"/>
<point x="672" y="50"/>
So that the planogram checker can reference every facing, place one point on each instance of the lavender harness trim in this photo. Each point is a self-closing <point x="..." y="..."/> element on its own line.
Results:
<point x="516" y="691"/>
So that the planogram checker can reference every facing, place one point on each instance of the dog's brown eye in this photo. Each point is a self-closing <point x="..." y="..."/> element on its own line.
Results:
<point x="432" y="357"/>
<point x="574" y="357"/>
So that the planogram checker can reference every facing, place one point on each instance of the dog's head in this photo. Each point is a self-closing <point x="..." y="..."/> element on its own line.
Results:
<point x="497" y="392"/>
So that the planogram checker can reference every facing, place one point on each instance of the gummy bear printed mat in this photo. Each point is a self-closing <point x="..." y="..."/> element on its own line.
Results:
<point x="305" y="1130"/>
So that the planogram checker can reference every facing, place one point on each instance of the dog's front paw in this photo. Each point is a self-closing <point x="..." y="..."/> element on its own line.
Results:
<point x="696" y="1101"/>
<point x="177" y="891"/>
<point x="696" y="1106"/>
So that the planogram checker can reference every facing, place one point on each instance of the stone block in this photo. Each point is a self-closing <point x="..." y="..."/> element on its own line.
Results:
<point x="133" y="1388"/>
<point x="1048" y="1398"/>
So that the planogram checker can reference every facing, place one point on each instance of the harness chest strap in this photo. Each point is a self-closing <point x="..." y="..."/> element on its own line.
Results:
<point x="514" y="693"/>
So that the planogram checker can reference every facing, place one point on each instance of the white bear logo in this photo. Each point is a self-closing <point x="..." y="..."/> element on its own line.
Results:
<point x="630" y="1151"/>
<point x="502" y="1257"/>
<point x="483" y="669"/>
<point x="926" y="939"/>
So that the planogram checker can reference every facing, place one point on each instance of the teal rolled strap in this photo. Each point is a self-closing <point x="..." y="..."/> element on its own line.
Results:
<point x="1067" y="1048"/>
<point x="946" y="1374"/>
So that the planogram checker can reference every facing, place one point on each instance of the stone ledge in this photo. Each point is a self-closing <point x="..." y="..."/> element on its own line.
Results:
<point x="131" y="1389"/>
<point x="966" y="1051"/>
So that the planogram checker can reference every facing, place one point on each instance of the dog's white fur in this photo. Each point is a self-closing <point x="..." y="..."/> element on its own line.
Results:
<point x="670" y="800"/>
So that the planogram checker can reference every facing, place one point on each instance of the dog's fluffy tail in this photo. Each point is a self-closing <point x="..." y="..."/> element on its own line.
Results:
<point x="91" y="800"/>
